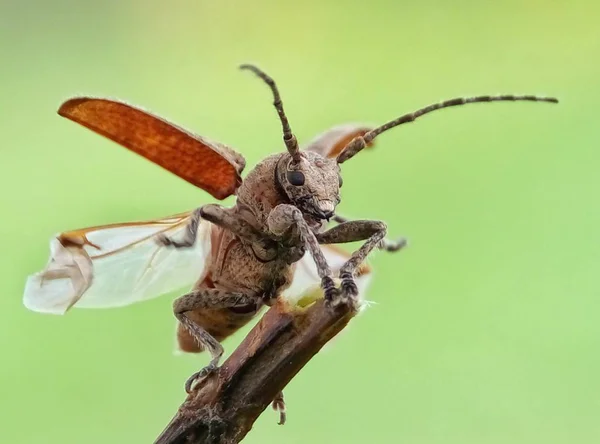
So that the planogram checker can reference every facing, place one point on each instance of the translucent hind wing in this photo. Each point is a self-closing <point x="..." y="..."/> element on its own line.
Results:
<point x="116" y="265"/>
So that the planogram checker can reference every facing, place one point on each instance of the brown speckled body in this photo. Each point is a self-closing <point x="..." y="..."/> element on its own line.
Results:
<point x="280" y="214"/>
<point x="239" y="266"/>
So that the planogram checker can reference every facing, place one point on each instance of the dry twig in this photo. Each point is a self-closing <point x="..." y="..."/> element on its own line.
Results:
<point x="223" y="407"/>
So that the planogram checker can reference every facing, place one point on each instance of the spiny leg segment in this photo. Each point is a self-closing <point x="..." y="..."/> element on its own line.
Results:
<point x="285" y="216"/>
<point x="371" y="230"/>
<point x="389" y="245"/>
<point x="210" y="298"/>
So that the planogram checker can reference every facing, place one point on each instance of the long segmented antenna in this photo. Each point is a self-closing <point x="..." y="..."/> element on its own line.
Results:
<point x="289" y="139"/>
<point x="357" y="144"/>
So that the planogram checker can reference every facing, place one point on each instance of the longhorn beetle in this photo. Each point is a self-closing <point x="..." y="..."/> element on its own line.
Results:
<point x="242" y="257"/>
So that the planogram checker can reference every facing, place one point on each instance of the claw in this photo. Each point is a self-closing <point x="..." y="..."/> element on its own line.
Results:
<point x="206" y="371"/>
<point x="278" y="405"/>
<point x="163" y="240"/>
<point x="396" y="245"/>
<point x="331" y="294"/>
<point x="348" y="293"/>
<point x="329" y="289"/>
<point x="349" y="288"/>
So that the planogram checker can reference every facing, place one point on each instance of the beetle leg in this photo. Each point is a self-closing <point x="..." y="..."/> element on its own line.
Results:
<point x="210" y="298"/>
<point x="285" y="216"/>
<point x="351" y="231"/>
<point x="386" y="244"/>
<point x="189" y="238"/>
<point x="216" y="214"/>
<point x="278" y="405"/>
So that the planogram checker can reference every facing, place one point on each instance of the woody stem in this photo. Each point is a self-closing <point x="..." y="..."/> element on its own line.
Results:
<point x="223" y="407"/>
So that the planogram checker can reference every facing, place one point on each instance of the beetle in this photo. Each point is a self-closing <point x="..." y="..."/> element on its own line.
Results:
<point x="241" y="258"/>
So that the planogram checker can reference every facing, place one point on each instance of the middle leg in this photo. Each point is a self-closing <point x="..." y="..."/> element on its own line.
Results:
<point x="220" y="216"/>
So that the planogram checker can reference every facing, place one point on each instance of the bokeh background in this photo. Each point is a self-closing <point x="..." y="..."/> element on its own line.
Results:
<point x="485" y="330"/>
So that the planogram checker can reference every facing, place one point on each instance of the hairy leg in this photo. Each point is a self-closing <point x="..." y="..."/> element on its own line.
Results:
<point x="284" y="217"/>
<point x="189" y="238"/>
<point x="223" y="217"/>
<point x="206" y="298"/>
<point x="386" y="244"/>
<point x="278" y="405"/>
<point x="352" y="231"/>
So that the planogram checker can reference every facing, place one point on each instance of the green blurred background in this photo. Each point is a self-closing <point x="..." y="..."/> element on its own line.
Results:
<point x="485" y="330"/>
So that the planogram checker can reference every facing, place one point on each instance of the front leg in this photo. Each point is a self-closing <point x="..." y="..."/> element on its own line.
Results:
<point x="223" y="217"/>
<point x="284" y="218"/>
<point x="389" y="245"/>
<point x="373" y="231"/>
<point x="210" y="298"/>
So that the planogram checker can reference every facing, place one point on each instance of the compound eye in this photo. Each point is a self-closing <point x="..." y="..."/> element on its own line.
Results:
<point x="296" y="178"/>
<point x="341" y="181"/>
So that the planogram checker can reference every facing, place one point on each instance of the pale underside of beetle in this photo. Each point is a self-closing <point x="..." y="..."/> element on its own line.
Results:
<point x="273" y="242"/>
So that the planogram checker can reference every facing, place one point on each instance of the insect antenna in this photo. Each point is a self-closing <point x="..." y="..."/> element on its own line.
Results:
<point x="289" y="139"/>
<point x="357" y="144"/>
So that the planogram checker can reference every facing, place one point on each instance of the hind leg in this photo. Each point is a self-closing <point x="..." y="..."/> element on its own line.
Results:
<point x="207" y="298"/>
<point x="278" y="405"/>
